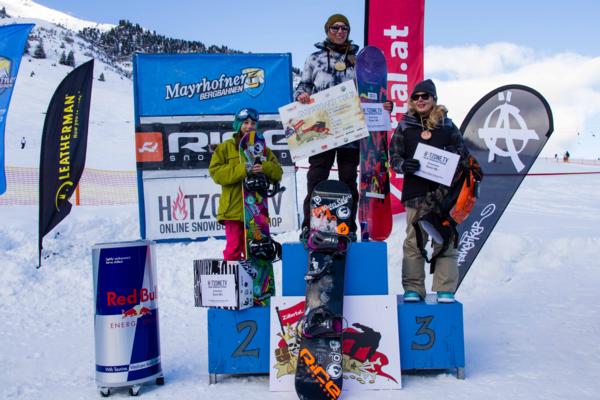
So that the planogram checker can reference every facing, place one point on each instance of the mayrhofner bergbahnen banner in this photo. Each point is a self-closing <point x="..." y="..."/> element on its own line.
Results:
<point x="184" y="108"/>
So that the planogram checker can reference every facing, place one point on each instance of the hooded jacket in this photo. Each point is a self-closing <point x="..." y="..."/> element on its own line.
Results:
<point x="227" y="170"/>
<point x="319" y="71"/>
<point x="404" y="143"/>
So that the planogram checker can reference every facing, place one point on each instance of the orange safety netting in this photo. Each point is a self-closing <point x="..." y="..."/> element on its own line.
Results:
<point x="96" y="187"/>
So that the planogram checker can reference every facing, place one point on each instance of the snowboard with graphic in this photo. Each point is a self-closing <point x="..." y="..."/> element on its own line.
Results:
<point x="319" y="369"/>
<point x="375" y="205"/>
<point x="259" y="245"/>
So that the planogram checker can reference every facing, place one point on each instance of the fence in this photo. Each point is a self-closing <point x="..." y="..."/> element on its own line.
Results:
<point x="96" y="187"/>
<point x="100" y="187"/>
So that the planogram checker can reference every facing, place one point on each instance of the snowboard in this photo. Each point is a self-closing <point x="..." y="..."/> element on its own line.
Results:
<point x="375" y="205"/>
<point x="319" y="368"/>
<point x="258" y="240"/>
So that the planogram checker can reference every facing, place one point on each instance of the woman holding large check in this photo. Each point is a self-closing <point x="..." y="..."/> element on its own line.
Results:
<point x="424" y="169"/>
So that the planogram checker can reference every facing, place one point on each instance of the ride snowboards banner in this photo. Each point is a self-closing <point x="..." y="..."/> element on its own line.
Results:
<point x="319" y="368"/>
<point x="505" y="131"/>
<point x="64" y="144"/>
<point x="12" y="42"/>
<point x="261" y="249"/>
<point x="397" y="28"/>
<point x="375" y="207"/>
<point x="333" y="119"/>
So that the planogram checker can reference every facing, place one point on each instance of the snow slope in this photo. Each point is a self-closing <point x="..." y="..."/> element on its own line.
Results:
<point x="31" y="9"/>
<point x="529" y="304"/>
<point x="529" y="300"/>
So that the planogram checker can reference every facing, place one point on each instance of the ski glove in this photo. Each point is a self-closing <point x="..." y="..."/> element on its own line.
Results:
<point x="410" y="166"/>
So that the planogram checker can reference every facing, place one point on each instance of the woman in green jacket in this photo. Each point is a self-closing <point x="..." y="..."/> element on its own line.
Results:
<point x="227" y="170"/>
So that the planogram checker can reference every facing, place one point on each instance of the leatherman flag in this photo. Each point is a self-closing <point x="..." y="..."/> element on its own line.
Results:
<point x="396" y="27"/>
<point x="505" y="131"/>
<point x="64" y="143"/>
<point x="12" y="43"/>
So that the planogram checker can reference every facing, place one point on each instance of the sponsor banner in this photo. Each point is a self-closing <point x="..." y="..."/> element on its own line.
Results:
<point x="397" y="28"/>
<point x="64" y="143"/>
<point x="333" y="119"/>
<point x="163" y="143"/>
<point x="506" y="131"/>
<point x="371" y="347"/>
<point x="12" y="43"/>
<point x="210" y="84"/>
<point x="184" y="205"/>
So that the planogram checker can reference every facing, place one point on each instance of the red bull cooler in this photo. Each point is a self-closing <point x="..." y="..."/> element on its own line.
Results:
<point x="126" y="316"/>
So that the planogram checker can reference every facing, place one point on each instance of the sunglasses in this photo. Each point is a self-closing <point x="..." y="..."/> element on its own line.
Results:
<point x="246" y="113"/>
<point x="416" y="97"/>
<point x="335" y="28"/>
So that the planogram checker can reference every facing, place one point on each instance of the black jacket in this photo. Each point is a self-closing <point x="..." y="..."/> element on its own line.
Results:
<point x="404" y="143"/>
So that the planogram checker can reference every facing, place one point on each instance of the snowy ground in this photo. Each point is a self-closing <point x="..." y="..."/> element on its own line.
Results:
<point x="529" y="331"/>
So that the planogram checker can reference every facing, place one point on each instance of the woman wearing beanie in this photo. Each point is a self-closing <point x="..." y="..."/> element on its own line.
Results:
<point x="227" y="170"/>
<point x="332" y="64"/>
<point x="425" y="122"/>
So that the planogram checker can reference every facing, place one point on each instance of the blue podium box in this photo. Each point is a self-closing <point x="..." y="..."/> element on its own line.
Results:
<point x="366" y="269"/>
<point x="238" y="341"/>
<point x="431" y="335"/>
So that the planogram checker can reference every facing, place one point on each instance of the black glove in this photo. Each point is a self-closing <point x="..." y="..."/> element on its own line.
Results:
<point x="410" y="166"/>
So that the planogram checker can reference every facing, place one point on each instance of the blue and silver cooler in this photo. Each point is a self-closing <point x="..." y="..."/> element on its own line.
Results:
<point x="126" y="315"/>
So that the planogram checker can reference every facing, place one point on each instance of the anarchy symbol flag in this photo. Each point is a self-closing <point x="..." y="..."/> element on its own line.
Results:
<point x="505" y="131"/>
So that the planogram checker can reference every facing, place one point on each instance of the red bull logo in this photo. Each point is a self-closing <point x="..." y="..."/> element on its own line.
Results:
<point x="135" y="297"/>
<point x="136" y="312"/>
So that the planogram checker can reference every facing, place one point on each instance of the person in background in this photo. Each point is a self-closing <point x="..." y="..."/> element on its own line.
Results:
<point x="23" y="142"/>
<point x="333" y="63"/>
<point x="227" y="170"/>
<point x="425" y="122"/>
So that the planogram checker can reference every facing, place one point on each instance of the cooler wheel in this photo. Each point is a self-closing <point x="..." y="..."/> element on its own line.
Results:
<point x="135" y="390"/>
<point x="104" y="391"/>
<point x="160" y="380"/>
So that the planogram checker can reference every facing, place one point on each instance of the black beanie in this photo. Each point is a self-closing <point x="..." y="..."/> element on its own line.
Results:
<point x="425" y="86"/>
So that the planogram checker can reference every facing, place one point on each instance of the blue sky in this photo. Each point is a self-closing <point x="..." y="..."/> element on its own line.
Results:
<point x="472" y="46"/>
<point x="284" y="26"/>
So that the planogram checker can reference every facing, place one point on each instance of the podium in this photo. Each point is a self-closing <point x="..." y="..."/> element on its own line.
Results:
<point x="431" y="334"/>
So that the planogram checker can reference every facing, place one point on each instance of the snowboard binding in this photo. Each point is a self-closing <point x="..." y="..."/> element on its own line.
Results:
<point x="260" y="184"/>
<point x="327" y="241"/>
<point x="265" y="249"/>
<point x="321" y="322"/>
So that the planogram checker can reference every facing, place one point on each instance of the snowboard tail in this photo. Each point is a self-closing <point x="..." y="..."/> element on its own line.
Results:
<point x="319" y="369"/>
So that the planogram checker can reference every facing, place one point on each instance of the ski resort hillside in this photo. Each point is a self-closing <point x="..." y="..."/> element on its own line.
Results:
<point x="529" y="332"/>
<point x="528" y="300"/>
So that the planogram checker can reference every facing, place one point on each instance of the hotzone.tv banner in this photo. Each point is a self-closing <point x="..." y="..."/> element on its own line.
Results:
<point x="396" y="27"/>
<point x="184" y="109"/>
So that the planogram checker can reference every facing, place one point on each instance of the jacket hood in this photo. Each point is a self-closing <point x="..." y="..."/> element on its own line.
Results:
<point x="324" y="46"/>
